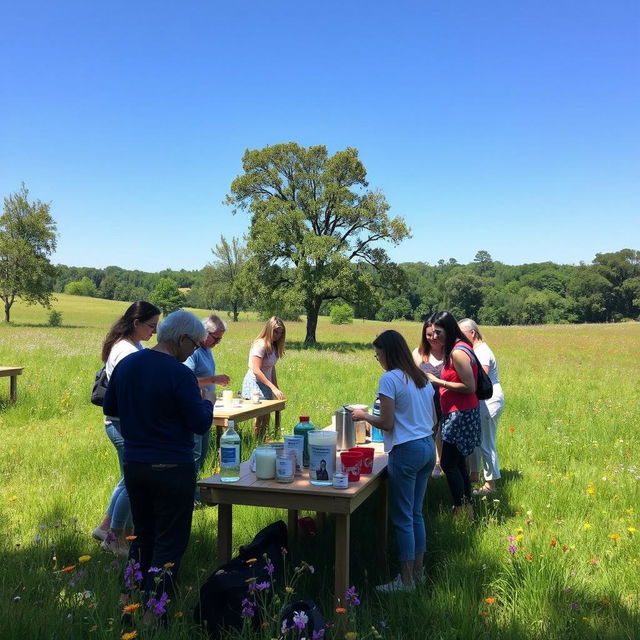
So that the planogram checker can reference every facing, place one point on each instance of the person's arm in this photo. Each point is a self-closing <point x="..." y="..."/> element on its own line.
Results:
<point x="256" y="367"/>
<point x="110" y="402"/>
<point x="197" y="412"/>
<point x="462" y="365"/>
<point x="385" y="420"/>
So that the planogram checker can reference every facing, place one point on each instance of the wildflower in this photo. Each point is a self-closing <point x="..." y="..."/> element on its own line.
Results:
<point x="586" y="526"/>
<point x="68" y="568"/>
<point x="261" y="586"/>
<point x="613" y="536"/>
<point x="605" y="601"/>
<point x="131" y="538"/>
<point x="519" y="538"/>
<point x="251" y="579"/>
<point x="178" y="614"/>
<point x="288" y="590"/>
<point x="512" y="428"/>
<point x="490" y="600"/>
<point x="251" y="560"/>
<point x="629" y="511"/>
<point x="590" y="489"/>
<point x="159" y="607"/>
<point x="154" y="570"/>
<point x="284" y="627"/>
<point x="341" y="610"/>
<point x="132" y="574"/>
<point x="269" y="567"/>
<point x="513" y="549"/>
<point x="554" y="542"/>
<point x="83" y="559"/>
<point x="575" y="606"/>
<point x="511" y="538"/>
<point x="130" y="608"/>
<point x="520" y="530"/>
<point x="168" y="565"/>
<point x="594" y="561"/>
<point x="529" y="557"/>
<point x="17" y="598"/>
<point x="317" y="635"/>
<point x="631" y="529"/>
<point x="351" y="596"/>
<point x="13" y="498"/>
<point x="350" y="635"/>
<point x="565" y="548"/>
<point x="248" y="608"/>
<point x="129" y="635"/>
<point x="300" y="619"/>
<point x="93" y="628"/>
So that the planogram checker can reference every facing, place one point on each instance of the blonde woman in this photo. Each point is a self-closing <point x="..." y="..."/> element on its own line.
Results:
<point x="266" y="350"/>
<point x="485" y="456"/>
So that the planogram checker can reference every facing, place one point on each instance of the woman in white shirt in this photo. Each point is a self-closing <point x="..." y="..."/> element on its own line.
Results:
<point x="485" y="456"/>
<point x="261" y="376"/>
<point x="137" y="325"/>
<point x="407" y="417"/>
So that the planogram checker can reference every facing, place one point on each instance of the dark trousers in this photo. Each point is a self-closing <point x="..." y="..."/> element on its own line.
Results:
<point x="161" y="498"/>
<point x="454" y="465"/>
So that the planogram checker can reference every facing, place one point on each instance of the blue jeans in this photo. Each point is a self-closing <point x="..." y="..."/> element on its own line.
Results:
<point x="119" y="508"/>
<point x="409" y="467"/>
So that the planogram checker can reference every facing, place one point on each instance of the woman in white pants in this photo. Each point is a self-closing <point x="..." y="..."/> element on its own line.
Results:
<point x="485" y="456"/>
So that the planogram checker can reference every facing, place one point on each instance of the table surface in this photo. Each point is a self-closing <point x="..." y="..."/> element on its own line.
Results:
<point x="247" y="410"/>
<point x="11" y="371"/>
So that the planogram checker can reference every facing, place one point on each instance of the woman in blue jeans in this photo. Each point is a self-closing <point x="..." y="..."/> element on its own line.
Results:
<point x="137" y="325"/>
<point x="407" y="417"/>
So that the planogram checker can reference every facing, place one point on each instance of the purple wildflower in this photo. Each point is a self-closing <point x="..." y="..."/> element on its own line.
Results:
<point x="513" y="549"/>
<point x="511" y="538"/>
<point x="317" y="635"/>
<point x="76" y="577"/>
<point x="575" y="606"/>
<point x="269" y="567"/>
<point x="351" y="596"/>
<point x="132" y="574"/>
<point x="300" y="619"/>
<point x="159" y="607"/>
<point x="261" y="586"/>
<point x="154" y="570"/>
<point x="248" y="608"/>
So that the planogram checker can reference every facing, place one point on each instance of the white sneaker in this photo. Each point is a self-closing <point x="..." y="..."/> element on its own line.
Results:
<point x="396" y="585"/>
<point x="118" y="547"/>
<point x="99" y="534"/>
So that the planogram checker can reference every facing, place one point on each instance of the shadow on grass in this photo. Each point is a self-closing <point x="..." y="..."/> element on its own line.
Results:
<point x="340" y="347"/>
<point x="44" y="325"/>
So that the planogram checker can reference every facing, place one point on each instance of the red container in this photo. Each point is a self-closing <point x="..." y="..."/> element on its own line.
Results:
<point x="367" y="459"/>
<point x="351" y="461"/>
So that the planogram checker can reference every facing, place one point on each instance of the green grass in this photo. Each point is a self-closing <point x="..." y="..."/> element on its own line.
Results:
<point x="569" y="444"/>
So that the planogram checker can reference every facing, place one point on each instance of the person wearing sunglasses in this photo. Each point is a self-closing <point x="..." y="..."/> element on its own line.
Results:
<point x="203" y="365"/>
<point x="137" y="325"/>
<point x="160" y="408"/>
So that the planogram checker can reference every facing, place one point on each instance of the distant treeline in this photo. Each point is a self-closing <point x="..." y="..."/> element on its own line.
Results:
<point x="607" y="290"/>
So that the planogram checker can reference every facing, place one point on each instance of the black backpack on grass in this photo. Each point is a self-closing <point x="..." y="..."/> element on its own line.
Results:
<point x="221" y="595"/>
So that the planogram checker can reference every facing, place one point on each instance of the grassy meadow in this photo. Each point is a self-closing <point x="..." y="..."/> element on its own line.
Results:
<point x="555" y="554"/>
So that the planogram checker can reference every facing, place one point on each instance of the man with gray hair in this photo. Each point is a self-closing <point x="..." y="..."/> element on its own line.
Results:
<point x="160" y="407"/>
<point x="203" y="365"/>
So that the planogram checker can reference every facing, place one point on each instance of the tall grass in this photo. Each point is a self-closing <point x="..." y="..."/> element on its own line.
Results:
<point x="556" y="554"/>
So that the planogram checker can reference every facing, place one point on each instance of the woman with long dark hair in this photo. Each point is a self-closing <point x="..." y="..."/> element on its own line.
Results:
<point x="407" y="417"/>
<point x="460" y="426"/>
<point x="137" y="325"/>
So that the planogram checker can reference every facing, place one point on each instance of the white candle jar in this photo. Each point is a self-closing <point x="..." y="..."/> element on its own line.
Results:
<point x="322" y="457"/>
<point x="265" y="463"/>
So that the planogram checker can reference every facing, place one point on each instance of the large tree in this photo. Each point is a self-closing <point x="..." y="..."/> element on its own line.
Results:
<point x="27" y="238"/>
<point x="311" y="216"/>
<point x="166" y="296"/>
<point x="222" y="284"/>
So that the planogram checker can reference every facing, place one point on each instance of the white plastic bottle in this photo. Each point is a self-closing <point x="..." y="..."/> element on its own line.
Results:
<point x="230" y="454"/>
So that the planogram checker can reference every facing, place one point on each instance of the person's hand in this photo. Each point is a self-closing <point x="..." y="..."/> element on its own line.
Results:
<point x="434" y="379"/>
<point x="277" y="394"/>
<point x="359" y="414"/>
<point x="222" y="379"/>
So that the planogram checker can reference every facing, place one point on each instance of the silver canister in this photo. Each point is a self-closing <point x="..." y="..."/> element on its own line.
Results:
<point x="345" y="428"/>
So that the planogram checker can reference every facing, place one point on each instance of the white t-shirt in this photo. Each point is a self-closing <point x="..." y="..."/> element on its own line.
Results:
<point x="487" y="359"/>
<point x="413" y="418"/>
<point x="120" y="349"/>
<point x="268" y="361"/>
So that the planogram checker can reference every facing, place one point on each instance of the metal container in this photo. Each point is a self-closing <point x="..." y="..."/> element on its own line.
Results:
<point x="345" y="428"/>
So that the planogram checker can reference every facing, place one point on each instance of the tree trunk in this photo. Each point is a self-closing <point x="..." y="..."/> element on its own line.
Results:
<point x="235" y="311"/>
<point x="7" y="311"/>
<point x="313" y="311"/>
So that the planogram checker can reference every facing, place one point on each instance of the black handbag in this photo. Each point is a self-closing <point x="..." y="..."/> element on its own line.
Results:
<point x="484" y="386"/>
<point x="99" y="388"/>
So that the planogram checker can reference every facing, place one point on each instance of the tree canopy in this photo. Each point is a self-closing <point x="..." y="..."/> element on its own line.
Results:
<point x="166" y="296"/>
<point x="312" y="216"/>
<point x="28" y="237"/>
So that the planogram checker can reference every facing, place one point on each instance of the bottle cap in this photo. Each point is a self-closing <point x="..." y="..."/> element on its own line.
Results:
<point x="304" y="418"/>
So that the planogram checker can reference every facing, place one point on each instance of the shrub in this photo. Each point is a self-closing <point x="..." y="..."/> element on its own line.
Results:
<point x="341" y="314"/>
<point x="55" y="318"/>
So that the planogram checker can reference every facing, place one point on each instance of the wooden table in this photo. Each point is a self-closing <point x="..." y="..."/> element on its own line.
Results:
<point x="14" y="372"/>
<point x="248" y="411"/>
<point x="302" y="495"/>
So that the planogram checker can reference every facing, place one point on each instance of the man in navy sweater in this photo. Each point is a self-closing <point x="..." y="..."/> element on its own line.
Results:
<point x="160" y="408"/>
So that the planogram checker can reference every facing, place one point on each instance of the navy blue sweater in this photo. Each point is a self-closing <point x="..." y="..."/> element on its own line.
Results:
<point x="159" y="405"/>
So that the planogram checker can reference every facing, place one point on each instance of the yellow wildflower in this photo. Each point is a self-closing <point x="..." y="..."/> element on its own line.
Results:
<point x="168" y="565"/>
<point x="289" y="589"/>
<point x="178" y="614"/>
<point x="130" y="608"/>
<point x="519" y="537"/>
<point x="586" y="526"/>
<point x="590" y="489"/>
<point x="350" y="635"/>
<point x="615" y="536"/>
<point x="251" y="560"/>
<point x="631" y="529"/>
<point x="83" y="559"/>
<point x="490" y="600"/>
<point x="129" y="636"/>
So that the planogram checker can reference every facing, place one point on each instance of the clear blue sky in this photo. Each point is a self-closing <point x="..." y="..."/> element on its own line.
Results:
<point x="508" y="126"/>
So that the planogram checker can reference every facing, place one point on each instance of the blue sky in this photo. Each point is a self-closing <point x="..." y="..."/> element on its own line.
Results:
<point x="512" y="127"/>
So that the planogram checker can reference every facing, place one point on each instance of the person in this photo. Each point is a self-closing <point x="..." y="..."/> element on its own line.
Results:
<point x="485" y="456"/>
<point x="266" y="350"/>
<point x="407" y="416"/>
<point x="160" y="407"/>
<point x="203" y="365"/>
<point x="428" y="355"/>
<point x="322" y="473"/>
<point x="461" y="416"/>
<point x="137" y="325"/>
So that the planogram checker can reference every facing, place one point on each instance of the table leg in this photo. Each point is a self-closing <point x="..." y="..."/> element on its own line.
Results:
<point x="225" y="527"/>
<point x="343" y="534"/>
<point x="382" y="522"/>
<point x="13" y="388"/>
<point x="292" y="525"/>
<point x="277" y="425"/>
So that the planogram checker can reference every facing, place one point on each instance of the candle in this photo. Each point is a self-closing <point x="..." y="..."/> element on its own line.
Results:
<point x="265" y="463"/>
<point x="227" y="397"/>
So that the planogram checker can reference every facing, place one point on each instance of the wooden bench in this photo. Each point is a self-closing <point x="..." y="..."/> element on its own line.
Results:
<point x="14" y="372"/>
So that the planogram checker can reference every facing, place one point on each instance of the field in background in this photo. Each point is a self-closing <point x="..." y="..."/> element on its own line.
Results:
<point x="555" y="555"/>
